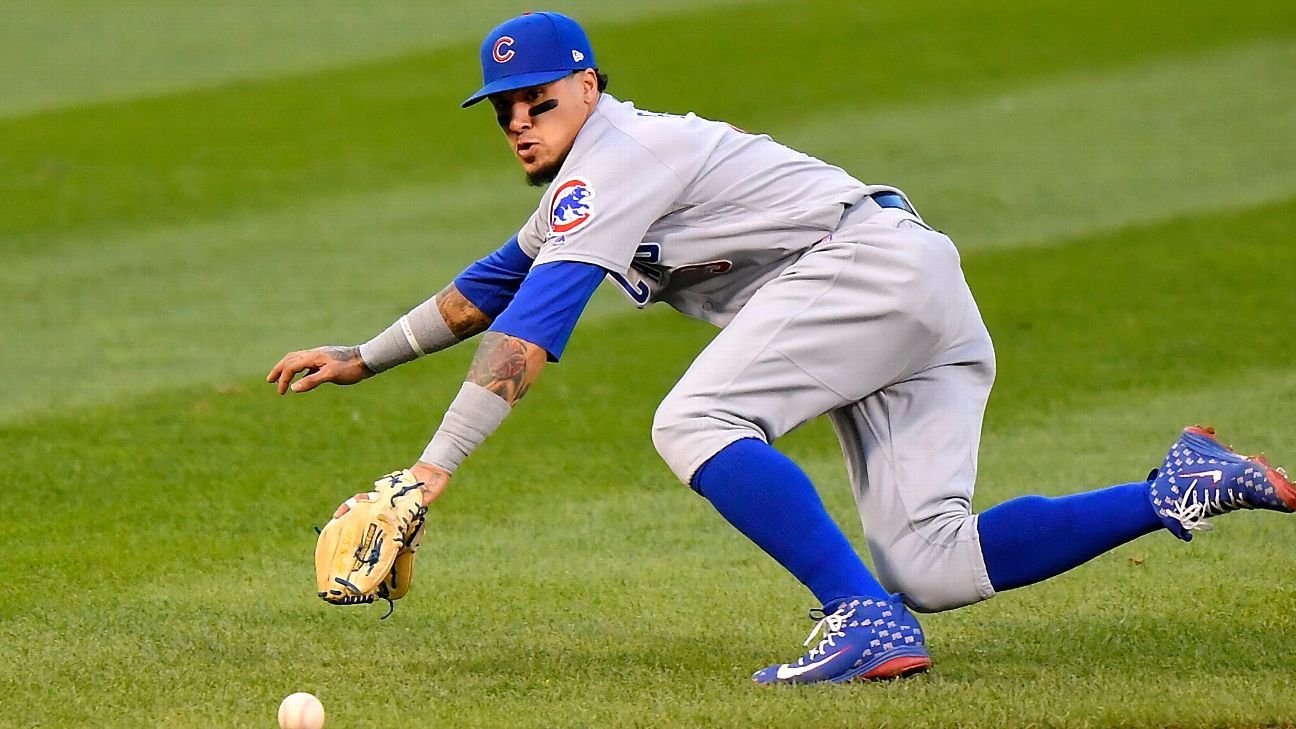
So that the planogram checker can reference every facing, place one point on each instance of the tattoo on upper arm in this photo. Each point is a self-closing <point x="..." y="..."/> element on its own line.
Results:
<point x="461" y="315"/>
<point x="506" y="365"/>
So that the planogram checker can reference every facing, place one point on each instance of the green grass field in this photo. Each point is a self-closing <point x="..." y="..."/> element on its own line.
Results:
<point x="188" y="190"/>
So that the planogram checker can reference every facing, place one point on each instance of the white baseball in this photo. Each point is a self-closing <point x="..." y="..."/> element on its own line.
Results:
<point x="301" y="711"/>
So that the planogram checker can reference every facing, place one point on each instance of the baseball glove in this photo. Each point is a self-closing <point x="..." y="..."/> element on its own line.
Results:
<point x="368" y="552"/>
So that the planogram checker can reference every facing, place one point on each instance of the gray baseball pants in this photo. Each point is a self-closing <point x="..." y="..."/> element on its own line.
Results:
<point x="876" y="327"/>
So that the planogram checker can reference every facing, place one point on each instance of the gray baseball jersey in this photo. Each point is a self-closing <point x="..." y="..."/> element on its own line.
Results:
<point x="685" y="210"/>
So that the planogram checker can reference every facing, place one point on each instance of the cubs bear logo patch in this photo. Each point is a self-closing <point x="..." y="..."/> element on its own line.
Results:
<point x="571" y="207"/>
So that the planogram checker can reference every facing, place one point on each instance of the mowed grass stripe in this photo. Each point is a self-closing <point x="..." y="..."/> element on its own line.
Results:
<point x="1080" y="154"/>
<point x="65" y="53"/>
<point x="254" y="287"/>
<point x="175" y="305"/>
<point x="392" y="124"/>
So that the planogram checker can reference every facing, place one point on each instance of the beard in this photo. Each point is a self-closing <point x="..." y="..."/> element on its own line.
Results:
<point x="542" y="176"/>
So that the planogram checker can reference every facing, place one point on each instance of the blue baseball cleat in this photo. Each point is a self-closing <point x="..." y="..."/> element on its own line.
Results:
<point x="863" y="639"/>
<point x="1202" y="477"/>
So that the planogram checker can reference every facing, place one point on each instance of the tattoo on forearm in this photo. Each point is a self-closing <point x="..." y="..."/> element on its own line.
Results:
<point x="461" y="315"/>
<point x="506" y="366"/>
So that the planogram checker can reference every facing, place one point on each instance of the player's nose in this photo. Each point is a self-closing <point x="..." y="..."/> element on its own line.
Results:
<point x="519" y="118"/>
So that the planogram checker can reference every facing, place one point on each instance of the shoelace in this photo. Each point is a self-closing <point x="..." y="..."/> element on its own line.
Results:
<point x="831" y="626"/>
<point x="1192" y="510"/>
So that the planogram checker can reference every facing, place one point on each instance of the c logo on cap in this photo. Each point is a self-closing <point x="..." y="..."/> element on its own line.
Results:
<point x="503" y="49"/>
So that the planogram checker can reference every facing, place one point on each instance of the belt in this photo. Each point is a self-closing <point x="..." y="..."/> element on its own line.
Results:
<point x="862" y="210"/>
<point x="889" y="199"/>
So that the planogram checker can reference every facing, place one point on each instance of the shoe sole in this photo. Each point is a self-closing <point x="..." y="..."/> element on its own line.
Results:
<point x="897" y="668"/>
<point x="1276" y="476"/>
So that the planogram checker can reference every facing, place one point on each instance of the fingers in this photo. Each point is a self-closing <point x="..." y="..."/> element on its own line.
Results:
<point x="314" y="379"/>
<point x="346" y="505"/>
<point x="285" y="377"/>
<point x="319" y="364"/>
<point x="344" y="508"/>
<point x="283" y="371"/>
<point x="274" y="371"/>
<point x="290" y="365"/>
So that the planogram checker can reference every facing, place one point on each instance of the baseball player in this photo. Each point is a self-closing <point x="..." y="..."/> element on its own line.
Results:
<point x="832" y="296"/>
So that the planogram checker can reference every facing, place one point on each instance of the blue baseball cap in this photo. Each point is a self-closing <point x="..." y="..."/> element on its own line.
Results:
<point x="531" y="50"/>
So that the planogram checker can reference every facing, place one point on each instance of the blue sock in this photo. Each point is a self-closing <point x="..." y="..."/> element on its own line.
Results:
<point x="1033" y="538"/>
<point x="771" y="501"/>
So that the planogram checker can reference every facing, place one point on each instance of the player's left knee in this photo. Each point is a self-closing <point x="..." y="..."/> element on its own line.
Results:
<point x="670" y="431"/>
<point x="686" y="437"/>
<point x="938" y="566"/>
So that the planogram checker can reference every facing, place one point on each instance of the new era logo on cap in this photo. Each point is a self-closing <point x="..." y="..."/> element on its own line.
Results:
<point x="577" y="56"/>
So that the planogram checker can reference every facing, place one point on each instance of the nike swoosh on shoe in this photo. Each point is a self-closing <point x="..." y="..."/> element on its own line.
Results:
<point x="786" y="672"/>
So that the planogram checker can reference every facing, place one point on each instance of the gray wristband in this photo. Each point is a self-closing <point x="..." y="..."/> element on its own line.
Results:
<point x="422" y="331"/>
<point x="475" y="413"/>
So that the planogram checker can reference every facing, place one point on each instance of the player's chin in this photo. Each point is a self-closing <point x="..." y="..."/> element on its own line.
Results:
<point x="539" y="174"/>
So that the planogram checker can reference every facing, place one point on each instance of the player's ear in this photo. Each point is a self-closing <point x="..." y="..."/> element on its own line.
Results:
<point x="589" y="85"/>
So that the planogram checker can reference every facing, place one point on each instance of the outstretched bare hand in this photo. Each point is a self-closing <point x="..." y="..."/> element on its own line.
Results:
<point x="339" y="365"/>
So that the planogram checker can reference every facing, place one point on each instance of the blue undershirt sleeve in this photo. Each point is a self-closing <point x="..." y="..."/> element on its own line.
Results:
<point x="548" y="304"/>
<point x="491" y="282"/>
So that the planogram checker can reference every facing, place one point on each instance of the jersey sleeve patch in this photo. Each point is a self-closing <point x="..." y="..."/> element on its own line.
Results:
<point x="572" y="206"/>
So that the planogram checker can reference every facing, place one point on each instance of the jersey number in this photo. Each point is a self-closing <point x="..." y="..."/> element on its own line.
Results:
<point x="647" y="255"/>
<point x="647" y="262"/>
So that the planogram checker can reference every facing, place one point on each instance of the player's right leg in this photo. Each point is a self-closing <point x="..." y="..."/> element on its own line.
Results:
<point x="845" y="320"/>
<point x="721" y="416"/>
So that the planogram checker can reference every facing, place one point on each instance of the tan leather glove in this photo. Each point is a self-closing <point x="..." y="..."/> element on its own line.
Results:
<point x="368" y="552"/>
